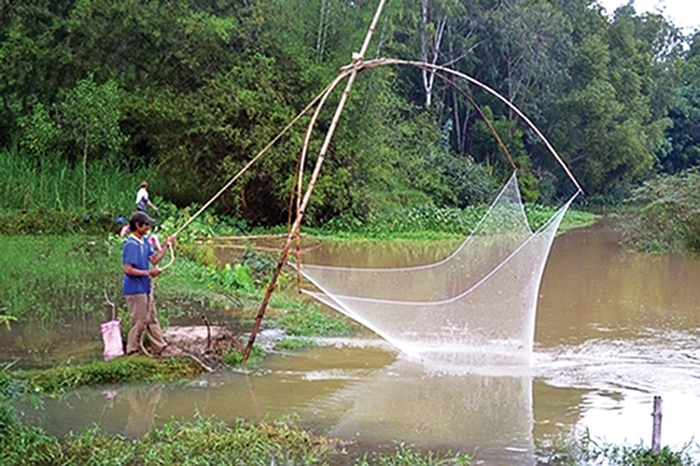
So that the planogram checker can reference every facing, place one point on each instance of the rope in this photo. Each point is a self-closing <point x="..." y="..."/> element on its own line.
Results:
<point x="250" y="163"/>
<point x="172" y="257"/>
<point x="114" y="306"/>
<point x="423" y="65"/>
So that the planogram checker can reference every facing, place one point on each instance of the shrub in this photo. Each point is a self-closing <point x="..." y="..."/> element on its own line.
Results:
<point x="668" y="215"/>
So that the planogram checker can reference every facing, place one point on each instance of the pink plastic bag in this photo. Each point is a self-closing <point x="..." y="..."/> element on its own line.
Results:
<point x="112" y="338"/>
<point x="155" y="242"/>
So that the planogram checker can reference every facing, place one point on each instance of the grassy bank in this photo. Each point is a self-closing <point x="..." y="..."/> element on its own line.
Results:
<point x="54" y="278"/>
<point x="202" y="442"/>
<point x="208" y="441"/>
<point x="433" y="223"/>
<point x="60" y="379"/>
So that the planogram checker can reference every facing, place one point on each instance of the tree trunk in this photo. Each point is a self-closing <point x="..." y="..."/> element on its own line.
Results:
<point x="430" y="49"/>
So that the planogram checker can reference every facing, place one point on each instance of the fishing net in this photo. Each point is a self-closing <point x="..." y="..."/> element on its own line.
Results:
<point x="476" y="306"/>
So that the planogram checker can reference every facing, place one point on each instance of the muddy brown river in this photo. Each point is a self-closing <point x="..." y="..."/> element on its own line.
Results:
<point x="614" y="329"/>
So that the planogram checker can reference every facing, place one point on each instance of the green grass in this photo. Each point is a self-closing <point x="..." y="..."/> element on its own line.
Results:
<point x="52" y="278"/>
<point x="60" y="379"/>
<point x="588" y="450"/>
<point x="47" y="278"/>
<point x="49" y="184"/>
<point x="204" y="441"/>
<point x="233" y="359"/>
<point x="295" y="344"/>
<point x="301" y="319"/>
<point x="429" y="223"/>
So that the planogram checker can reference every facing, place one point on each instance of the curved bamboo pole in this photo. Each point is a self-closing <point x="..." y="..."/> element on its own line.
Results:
<point x="354" y="68"/>
<point x="466" y="77"/>
<point x="302" y="158"/>
<point x="492" y="128"/>
<point x="251" y="162"/>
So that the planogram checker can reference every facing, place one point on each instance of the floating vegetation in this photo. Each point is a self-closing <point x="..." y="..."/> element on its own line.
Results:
<point x="429" y="222"/>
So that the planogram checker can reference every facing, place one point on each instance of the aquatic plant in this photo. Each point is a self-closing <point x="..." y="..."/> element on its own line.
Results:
<point x="295" y="343"/>
<point x="429" y="222"/>
<point x="233" y="358"/>
<point x="307" y="320"/>
<point x="404" y="455"/>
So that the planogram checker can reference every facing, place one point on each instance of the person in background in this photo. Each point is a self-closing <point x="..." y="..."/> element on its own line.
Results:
<point x="137" y="257"/>
<point x="143" y="202"/>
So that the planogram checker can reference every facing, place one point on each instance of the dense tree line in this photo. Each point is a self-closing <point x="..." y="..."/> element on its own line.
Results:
<point x="193" y="89"/>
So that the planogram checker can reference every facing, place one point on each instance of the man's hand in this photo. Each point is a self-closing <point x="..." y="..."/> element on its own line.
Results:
<point x="154" y="272"/>
<point x="170" y="241"/>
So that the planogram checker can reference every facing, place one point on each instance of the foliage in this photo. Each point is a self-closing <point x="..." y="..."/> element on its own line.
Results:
<point x="91" y="112"/>
<point x="404" y="455"/>
<point x="124" y="369"/>
<point x="588" y="450"/>
<point x="683" y="140"/>
<point x="45" y="187"/>
<point x="23" y="445"/>
<point x="667" y="216"/>
<point x="184" y="94"/>
<point x="230" y="278"/>
<point x="6" y="320"/>
<point x="233" y="359"/>
<point x="306" y="320"/>
<point x="683" y="133"/>
<point x="294" y="343"/>
<point x="202" y="441"/>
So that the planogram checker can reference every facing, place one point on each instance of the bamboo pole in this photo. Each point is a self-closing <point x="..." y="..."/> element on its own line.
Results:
<point x="656" y="427"/>
<point x="354" y="68"/>
<point x="297" y="222"/>
<point x="481" y="113"/>
<point x="251" y="162"/>
<point x="394" y="61"/>
<point x="302" y="162"/>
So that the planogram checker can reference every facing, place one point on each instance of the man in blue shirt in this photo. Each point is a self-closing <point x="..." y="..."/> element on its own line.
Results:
<point x="137" y="255"/>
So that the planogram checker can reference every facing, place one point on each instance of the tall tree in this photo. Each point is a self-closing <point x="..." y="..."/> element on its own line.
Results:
<point x="91" y="113"/>
<point x="683" y="135"/>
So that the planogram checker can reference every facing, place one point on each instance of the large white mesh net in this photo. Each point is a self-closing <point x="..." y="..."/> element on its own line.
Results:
<point x="475" y="307"/>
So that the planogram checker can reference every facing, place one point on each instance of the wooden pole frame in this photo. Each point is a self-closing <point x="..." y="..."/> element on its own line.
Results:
<point x="350" y="72"/>
<point x="353" y="70"/>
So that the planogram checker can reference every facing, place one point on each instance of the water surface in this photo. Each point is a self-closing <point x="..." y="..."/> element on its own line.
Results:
<point x="613" y="330"/>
